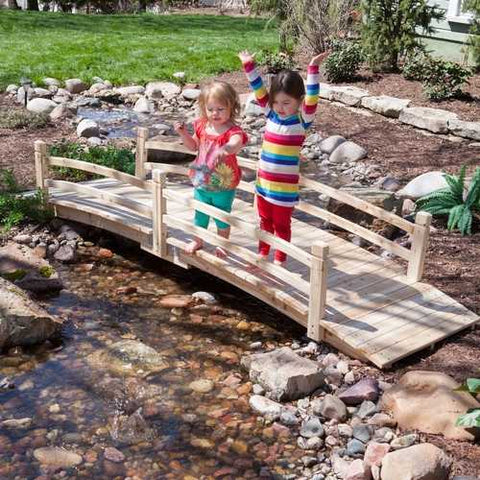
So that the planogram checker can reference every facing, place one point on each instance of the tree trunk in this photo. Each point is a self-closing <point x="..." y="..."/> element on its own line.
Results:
<point x="142" y="5"/>
<point x="12" y="5"/>
<point x="32" y="5"/>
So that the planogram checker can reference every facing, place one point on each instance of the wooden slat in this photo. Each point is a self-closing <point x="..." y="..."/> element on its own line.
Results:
<point x="168" y="147"/>
<point x="358" y="203"/>
<point x="167" y="168"/>
<point x="99" y="170"/>
<point x="247" y="163"/>
<point x="96" y="193"/>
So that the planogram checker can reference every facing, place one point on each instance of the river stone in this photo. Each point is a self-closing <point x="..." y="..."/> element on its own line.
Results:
<point x="97" y="87"/>
<point x="432" y="119"/>
<point x="332" y="408"/>
<point x="27" y="270"/>
<point x="75" y="85"/>
<point x="375" y="453"/>
<point x="365" y="389"/>
<point x="41" y="105"/>
<point x="347" y="152"/>
<point x="265" y="407"/>
<point x="114" y="455"/>
<point x="65" y="254"/>
<point x="419" y="462"/>
<point x="157" y="90"/>
<point x="284" y="373"/>
<point x="42" y="93"/>
<point x="130" y="90"/>
<point x="51" y="82"/>
<point x="465" y="129"/>
<point x="362" y="432"/>
<point x="424" y="185"/>
<point x="57" y="457"/>
<point x="128" y="357"/>
<point x="331" y="143"/>
<point x="355" y="447"/>
<point x="312" y="427"/>
<point x="87" y="102"/>
<point x="251" y="106"/>
<point x="176" y="301"/>
<point x="88" y="128"/>
<point x="357" y="470"/>
<point x="205" y="297"/>
<point x="403" y="441"/>
<point x="191" y="93"/>
<point x="131" y="429"/>
<point x="351" y="96"/>
<point x="143" y="105"/>
<point x="410" y="403"/>
<point x="202" y="385"/>
<point x="11" y="88"/>
<point x="59" y="112"/>
<point x="385" y="105"/>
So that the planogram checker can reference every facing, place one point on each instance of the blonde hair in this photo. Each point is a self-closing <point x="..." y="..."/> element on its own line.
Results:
<point x="224" y="93"/>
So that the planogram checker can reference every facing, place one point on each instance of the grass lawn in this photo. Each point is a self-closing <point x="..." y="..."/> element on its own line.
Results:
<point x="124" y="48"/>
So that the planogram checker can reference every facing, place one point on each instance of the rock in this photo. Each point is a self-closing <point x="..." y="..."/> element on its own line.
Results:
<point x="385" y="105"/>
<point x="333" y="376"/>
<point x="114" y="455"/>
<point x="313" y="139"/>
<point x="57" y="457"/>
<point x="65" y="254"/>
<point x="420" y="462"/>
<point x="131" y="429"/>
<point x="432" y="119"/>
<point x="331" y="143"/>
<point x="202" y="385"/>
<point x="375" y="452"/>
<point x="311" y="427"/>
<point x="59" y="112"/>
<point x="157" y="90"/>
<point x="21" y="95"/>
<point x="367" y="408"/>
<point x="179" y="75"/>
<point x="191" y="93"/>
<point x="349" y="378"/>
<point x="284" y="373"/>
<point x="176" y="301"/>
<point x="130" y="90"/>
<point x="23" y="239"/>
<point x="251" y="107"/>
<point x="465" y="129"/>
<point x="28" y="271"/>
<point x="208" y="298"/>
<point x="16" y="422"/>
<point x="347" y="152"/>
<point x="11" y="88"/>
<point x="357" y="471"/>
<point x="265" y="407"/>
<point x="143" y="105"/>
<point x="355" y="447"/>
<point x="51" y="82"/>
<point x="365" y="389"/>
<point x="332" y="408"/>
<point x="342" y="367"/>
<point x="75" y="85"/>
<point x="424" y="185"/>
<point x="41" y="105"/>
<point x="97" y="87"/>
<point x="410" y="403"/>
<point x="325" y="91"/>
<point x="382" y="420"/>
<point x="351" y="96"/>
<point x="88" y="128"/>
<point x="42" y="93"/>
<point x="87" y="102"/>
<point x="388" y="183"/>
<point x="339" y="465"/>
<point x="128" y="357"/>
<point x="95" y="141"/>
<point x="404" y="441"/>
<point x="288" y="417"/>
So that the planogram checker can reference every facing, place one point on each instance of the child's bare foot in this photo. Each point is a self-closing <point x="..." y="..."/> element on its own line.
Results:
<point x="193" y="246"/>
<point x="221" y="253"/>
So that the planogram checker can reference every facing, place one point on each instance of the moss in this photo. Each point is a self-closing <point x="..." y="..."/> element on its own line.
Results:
<point x="15" y="275"/>
<point x="46" y="271"/>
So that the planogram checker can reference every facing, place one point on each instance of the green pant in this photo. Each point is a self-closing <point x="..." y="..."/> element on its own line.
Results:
<point x="222" y="200"/>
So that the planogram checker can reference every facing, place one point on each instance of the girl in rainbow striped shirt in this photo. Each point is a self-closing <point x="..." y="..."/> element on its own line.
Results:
<point x="290" y="110"/>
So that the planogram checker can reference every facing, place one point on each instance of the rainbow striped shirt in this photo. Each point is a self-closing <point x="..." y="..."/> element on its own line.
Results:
<point x="278" y="170"/>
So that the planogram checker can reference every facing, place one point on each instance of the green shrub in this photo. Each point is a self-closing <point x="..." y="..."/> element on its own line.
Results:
<point x="472" y="417"/>
<point x="118" y="158"/>
<point x="275" y="62"/>
<point x="473" y="6"/>
<point x="21" y="118"/>
<point x="462" y="208"/>
<point x="415" y="66"/>
<point x="16" y="207"/>
<point x="344" y="61"/>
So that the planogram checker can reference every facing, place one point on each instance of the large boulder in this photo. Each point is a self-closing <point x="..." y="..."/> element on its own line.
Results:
<point x="22" y="321"/>
<point x="423" y="185"/>
<point x="329" y="144"/>
<point x="432" y="119"/>
<point x="385" y="105"/>
<point x="351" y="96"/>
<point x="418" y="462"/>
<point x="130" y="90"/>
<point x="41" y="105"/>
<point x="426" y="401"/>
<point x="465" y="129"/>
<point x="157" y="90"/>
<point x="347" y="152"/>
<point x="143" y="105"/>
<point x="284" y="373"/>
<point x="75" y="85"/>
<point x="19" y="264"/>
<point x="88" y="128"/>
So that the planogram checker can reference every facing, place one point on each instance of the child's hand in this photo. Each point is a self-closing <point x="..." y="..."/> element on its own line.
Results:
<point x="319" y="59"/>
<point x="180" y="128"/>
<point x="222" y="153"/>
<point x="246" y="57"/>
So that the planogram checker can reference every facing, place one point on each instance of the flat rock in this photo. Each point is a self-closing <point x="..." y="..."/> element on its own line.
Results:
<point x="424" y="185"/>
<point x="57" y="457"/>
<point x="410" y="403"/>
<point x="162" y="89"/>
<point x="332" y="407"/>
<point x="88" y="128"/>
<point x="11" y="88"/>
<point x="143" y="105"/>
<point x="176" y="301"/>
<point x="251" y="107"/>
<point x="41" y="105"/>
<point x="419" y="462"/>
<point x="331" y="143"/>
<point x="347" y="152"/>
<point x="75" y="85"/>
<point x="265" y="407"/>
<point x="365" y="389"/>
<point x="65" y="254"/>
<point x="385" y="105"/>
<point x="284" y="373"/>
<point x="42" y="93"/>
<point x="351" y="96"/>
<point x="130" y="90"/>
<point x="325" y="91"/>
<point x="465" y="129"/>
<point x="432" y="119"/>
<point x="357" y="470"/>
<point x="191" y="93"/>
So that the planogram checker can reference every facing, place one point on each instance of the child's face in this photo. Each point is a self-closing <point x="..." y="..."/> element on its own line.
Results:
<point x="217" y="113"/>
<point x="285" y="105"/>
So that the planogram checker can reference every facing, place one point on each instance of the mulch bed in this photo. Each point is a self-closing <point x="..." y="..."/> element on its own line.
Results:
<point x="453" y="261"/>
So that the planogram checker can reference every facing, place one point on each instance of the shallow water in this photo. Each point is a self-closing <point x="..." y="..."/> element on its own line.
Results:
<point x="165" y="429"/>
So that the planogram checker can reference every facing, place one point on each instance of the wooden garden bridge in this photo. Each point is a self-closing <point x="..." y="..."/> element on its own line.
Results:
<point x="365" y="305"/>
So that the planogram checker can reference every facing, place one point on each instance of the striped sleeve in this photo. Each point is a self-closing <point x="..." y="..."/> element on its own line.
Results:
<point x="256" y="83"/>
<point x="309" y="106"/>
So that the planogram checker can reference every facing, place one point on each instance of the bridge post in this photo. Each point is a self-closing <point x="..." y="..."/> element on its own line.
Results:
<point x="141" y="152"/>
<point x="421" y="234"/>
<point x="318" y="291"/>
<point x="159" y="209"/>
<point x="41" y="166"/>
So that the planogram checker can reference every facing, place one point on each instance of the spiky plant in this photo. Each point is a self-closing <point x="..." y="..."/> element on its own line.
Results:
<point x="461" y="209"/>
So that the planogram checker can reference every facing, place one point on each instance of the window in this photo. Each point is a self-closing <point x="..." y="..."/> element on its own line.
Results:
<point x="456" y="14"/>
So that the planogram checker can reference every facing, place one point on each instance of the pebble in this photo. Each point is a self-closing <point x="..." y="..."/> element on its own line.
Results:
<point x="202" y="385"/>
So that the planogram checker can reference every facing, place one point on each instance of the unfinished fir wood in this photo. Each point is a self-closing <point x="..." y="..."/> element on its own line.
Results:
<point x="363" y="304"/>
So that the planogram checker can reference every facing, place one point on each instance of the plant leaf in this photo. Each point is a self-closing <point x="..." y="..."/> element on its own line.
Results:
<point x="469" y="419"/>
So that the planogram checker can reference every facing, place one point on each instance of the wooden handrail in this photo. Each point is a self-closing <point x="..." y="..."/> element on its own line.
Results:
<point x="99" y="170"/>
<point x="318" y="291"/>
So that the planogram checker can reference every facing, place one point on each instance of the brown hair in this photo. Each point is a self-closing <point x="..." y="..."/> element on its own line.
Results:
<point x="224" y="93"/>
<point x="289" y="82"/>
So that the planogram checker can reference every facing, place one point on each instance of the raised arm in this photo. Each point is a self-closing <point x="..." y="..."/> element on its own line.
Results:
<point x="191" y="142"/>
<point x="310" y="102"/>
<point x="254" y="79"/>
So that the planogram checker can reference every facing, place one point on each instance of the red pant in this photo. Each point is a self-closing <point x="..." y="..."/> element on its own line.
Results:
<point x="274" y="219"/>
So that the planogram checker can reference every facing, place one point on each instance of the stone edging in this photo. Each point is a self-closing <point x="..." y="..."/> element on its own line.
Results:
<point x="431" y="119"/>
